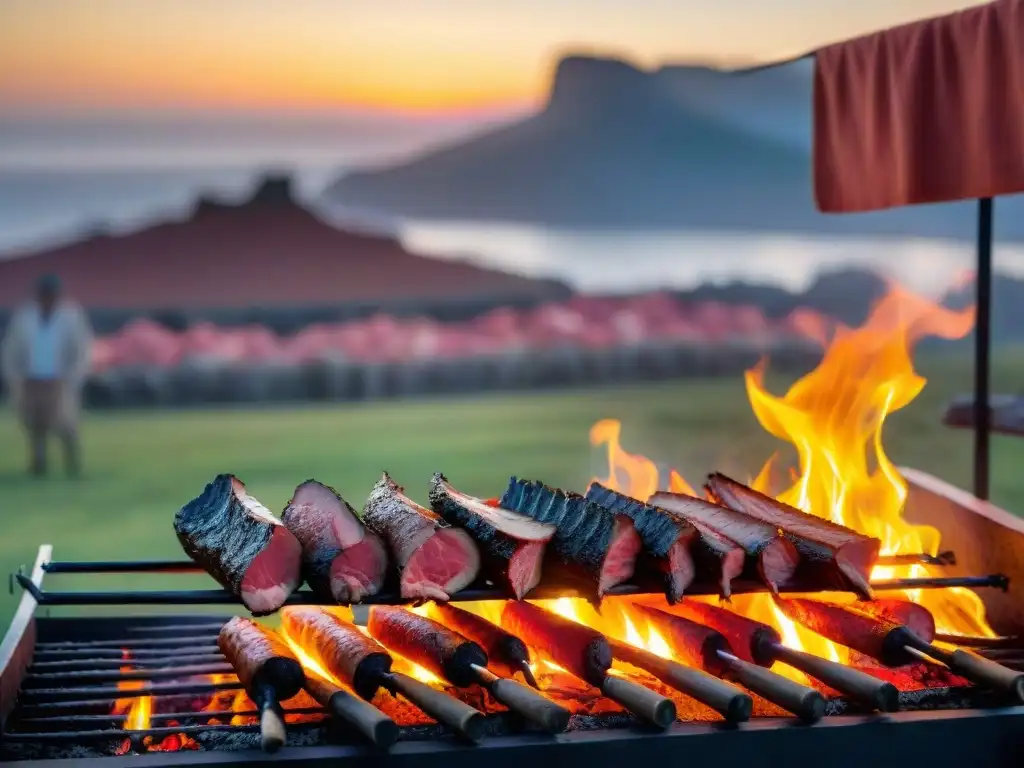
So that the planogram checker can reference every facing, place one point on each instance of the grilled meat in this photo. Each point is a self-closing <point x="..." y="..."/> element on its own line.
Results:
<point x="668" y="539"/>
<point x="443" y="651"/>
<point x="589" y="539"/>
<point x="506" y="653"/>
<point x="238" y="542"/>
<point x="511" y="544"/>
<point x="434" y="560"/>
<point x="718" y="555"/>
<point x="341" y="560"/>
<point x="839" y="556"/>
<point x="352" y="657"/>
<point x="772" y="557"/>
<point x="583" y="651"/>
<point x="914" y="617"/>
<point x="262" y="660"/>
<point x="694" y="643"/>
<point x="751" y="639"/>
<point x="859" y="631"/>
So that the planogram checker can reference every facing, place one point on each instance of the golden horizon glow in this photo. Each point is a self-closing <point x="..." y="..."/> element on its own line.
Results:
<point x="418" y="56"/>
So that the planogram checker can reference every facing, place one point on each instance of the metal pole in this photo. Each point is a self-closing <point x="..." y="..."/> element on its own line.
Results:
<point x="982" y="349"/>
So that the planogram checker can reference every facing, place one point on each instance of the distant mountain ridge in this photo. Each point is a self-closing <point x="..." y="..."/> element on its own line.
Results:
<point x="265" y="252"/>
<point x="617" y="146"/>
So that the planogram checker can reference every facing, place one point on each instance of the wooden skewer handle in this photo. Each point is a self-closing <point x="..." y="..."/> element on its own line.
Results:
<point x="460" y="717"/>
<point x="364" y="717"/>
<point x="642" y="702"/>
<point x="380" y="729"/>
<point x="869" y="690"/>
<point x="525" y="701"/>
<point x="806" y="703"/>
<point x="729" y="701"/>
<point x="986" y="673"/>
<point x="272" y="731"/>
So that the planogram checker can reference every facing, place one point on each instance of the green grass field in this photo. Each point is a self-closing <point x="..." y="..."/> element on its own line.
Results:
<point x="140" y="467"/>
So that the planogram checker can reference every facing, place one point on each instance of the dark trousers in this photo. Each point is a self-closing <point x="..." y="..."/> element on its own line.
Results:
<point x="42" y="414"/>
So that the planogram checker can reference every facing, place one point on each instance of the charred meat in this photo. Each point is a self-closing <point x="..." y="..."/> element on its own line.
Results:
<point x="341" y="560"/>
<point x="774" y="558"/>
<point x="238" y="542"/>
<point x="668" y="538"/>
<point x="506" y="653"/>
<point x="589" y="539"/>
<point x="511" y="544"/>
<point x="841" y="557"/>
<point x="434" y="559"/>
<point x="720" y="556"/>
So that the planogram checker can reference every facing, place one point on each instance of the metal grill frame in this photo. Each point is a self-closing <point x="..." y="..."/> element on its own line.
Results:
<point x="970" y="736"/>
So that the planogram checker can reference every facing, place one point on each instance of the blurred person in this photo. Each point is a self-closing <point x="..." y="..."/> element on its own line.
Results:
<point x="44" y="359"/>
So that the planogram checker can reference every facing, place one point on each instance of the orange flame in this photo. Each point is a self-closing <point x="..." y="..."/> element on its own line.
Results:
<point x="137" y="708"/>
<point x="625" y="470"/>
<point x="138" y="711"/>
<point x="833" y="416"/>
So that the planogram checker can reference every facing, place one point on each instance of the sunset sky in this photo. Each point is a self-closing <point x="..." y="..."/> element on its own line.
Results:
<point x="67" y="56"/>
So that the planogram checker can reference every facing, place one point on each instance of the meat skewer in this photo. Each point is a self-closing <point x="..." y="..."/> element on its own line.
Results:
<point x="434" y="559"/>
<point x="362" y="664"/>
<point x="512" y="544"/>
<point x="726" y="699"/>
<point x="506" y="653"/>
<point x="317" y="632"/>
<point x="668" y="539"/>
<point x="341" y="560"/>
<point x="459" y="660"/>
<point x="841" y="555"/>
<point x="589" y="540"/>
<point x="895" y="644"/>
<point x="238" y="542"/>
<point x="587" y="654"/>
<point x="943" y="558"/>
<point x="267" y="669"/>
<point x="761" y="644"/>
<point x="914" y="617"/>
<point x="706" y="649"/>
<point x="774" y="558"/>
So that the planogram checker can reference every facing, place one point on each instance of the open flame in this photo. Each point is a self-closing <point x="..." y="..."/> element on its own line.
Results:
<point x="833" y="416"/>
<point x="138" y="711"/>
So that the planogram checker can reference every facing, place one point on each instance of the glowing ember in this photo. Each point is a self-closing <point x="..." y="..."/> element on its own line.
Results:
<point x="833" y="416"/>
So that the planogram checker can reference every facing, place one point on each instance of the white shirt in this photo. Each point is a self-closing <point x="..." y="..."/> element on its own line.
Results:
<point x="46" y="338"/>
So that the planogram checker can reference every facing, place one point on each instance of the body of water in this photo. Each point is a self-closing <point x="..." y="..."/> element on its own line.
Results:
<point x="47" y="206"/>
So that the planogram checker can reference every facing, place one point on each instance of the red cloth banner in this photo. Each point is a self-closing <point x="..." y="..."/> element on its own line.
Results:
<point x="922" y="113"/>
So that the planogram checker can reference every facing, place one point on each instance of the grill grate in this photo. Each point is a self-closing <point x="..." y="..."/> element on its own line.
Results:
<point x="480" y="591"/>
<point x="68" y="691"/>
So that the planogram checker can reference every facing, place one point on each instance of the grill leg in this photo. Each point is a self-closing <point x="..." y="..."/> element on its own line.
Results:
<point x="982" y="350"/>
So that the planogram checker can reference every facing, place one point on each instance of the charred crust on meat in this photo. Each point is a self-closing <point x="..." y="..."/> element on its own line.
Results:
<point x="659" y="528"/>
<point x="219" y="532"/>
<point x="583" y="530"/>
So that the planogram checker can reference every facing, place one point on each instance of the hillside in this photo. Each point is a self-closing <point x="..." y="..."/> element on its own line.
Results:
<point x="682" y="146"/>
<point x="266" y="252"/>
